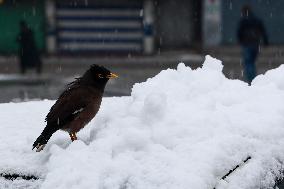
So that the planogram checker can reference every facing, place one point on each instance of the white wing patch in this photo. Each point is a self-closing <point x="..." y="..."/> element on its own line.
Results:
<point x="78" y="111"/>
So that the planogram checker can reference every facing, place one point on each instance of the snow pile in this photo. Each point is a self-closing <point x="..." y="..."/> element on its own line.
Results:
<point x="181" y="129"/>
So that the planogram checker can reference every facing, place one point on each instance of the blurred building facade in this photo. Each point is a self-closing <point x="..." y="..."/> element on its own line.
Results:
<point x="131" y="26"/>
<point x="122" y="26"/>
<point x="89" y="26"/>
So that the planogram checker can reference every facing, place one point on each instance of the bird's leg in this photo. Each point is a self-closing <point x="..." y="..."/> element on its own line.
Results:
<point x="73" y="136"/>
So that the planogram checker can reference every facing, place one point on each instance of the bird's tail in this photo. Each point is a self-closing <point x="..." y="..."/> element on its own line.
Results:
<point x="43" y="138"/>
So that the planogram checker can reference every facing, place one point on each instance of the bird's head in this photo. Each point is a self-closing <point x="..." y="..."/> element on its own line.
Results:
<point x="101" y="73"/>
<point x="98" y="75"/>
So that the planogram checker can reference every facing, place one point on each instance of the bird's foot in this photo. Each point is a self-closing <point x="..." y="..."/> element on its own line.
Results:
<point x="73" y="136"/>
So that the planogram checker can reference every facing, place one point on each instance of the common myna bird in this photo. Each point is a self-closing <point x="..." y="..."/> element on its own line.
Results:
<point x="76" y="106"/>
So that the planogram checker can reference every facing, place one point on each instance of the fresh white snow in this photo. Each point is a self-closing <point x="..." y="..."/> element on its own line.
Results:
<point x="182" y="129"/>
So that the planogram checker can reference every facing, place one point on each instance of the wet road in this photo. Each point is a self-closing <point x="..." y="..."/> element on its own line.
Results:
<point x="58" y="72"/>
<point x="17" y="88"/>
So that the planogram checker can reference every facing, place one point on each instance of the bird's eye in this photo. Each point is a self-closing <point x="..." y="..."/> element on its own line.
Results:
<point x="100" y="76"/>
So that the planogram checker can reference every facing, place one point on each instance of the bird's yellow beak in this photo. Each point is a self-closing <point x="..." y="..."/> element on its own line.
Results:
<point x="112" y="75"/>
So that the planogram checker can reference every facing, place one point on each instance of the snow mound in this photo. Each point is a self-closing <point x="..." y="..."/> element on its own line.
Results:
<point x="183" y="128"/>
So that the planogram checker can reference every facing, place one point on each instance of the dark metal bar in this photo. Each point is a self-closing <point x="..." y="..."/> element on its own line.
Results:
<point x="232" y="170"/>
<point x="15" y="176"/>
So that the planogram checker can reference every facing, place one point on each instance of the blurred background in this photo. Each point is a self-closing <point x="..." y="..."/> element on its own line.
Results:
<point x="134" y="38"/>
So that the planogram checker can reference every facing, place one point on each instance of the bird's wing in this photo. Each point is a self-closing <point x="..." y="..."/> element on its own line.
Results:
<point x="83" y="117"/>
<point x="67" y="107"/>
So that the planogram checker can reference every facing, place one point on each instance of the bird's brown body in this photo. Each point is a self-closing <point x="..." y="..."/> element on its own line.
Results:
<point x="88" y="101"/>
<point x="76" y="106"/>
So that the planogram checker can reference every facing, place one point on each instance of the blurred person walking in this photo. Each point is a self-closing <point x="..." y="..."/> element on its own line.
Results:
<point x="251" y="34"/>
<point x="28" y="52"/>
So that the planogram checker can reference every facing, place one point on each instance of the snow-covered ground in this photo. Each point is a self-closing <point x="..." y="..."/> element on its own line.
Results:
<point x="181" y="129"/>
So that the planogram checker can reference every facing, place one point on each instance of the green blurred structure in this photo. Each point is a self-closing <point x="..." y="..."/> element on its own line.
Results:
<point x="11" y="14"/>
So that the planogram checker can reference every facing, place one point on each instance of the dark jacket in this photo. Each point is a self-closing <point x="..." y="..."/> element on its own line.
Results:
<point x="28" y="52"/>
<point x="251" y="31"/>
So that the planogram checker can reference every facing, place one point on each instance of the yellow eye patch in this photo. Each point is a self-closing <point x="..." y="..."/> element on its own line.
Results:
<point x="100" y="76"/>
